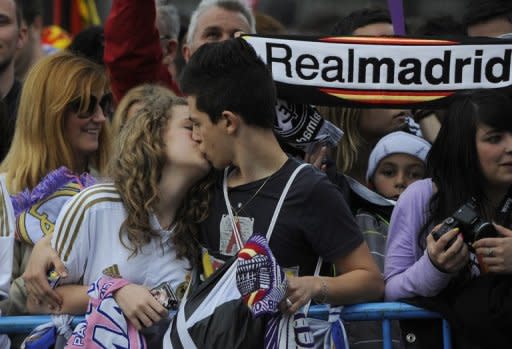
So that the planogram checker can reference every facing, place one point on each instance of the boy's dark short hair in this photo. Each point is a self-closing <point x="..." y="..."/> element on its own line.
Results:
<point x="483" y="10"/>
<point x="360" y="18"/>
<point x="230" y="76"/>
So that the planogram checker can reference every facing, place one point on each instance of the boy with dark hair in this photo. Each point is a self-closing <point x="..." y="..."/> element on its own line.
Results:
<point x="224" y="87"/>
<point x="231" y="98"/>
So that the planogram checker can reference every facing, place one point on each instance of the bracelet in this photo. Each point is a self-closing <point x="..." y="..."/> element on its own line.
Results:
<point x="323" y="292"/>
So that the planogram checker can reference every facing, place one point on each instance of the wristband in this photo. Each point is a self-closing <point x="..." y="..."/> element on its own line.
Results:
<point x="322" y="297"/>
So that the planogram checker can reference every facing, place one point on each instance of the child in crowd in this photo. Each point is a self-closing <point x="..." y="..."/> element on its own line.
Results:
<point x="397" y="160"/>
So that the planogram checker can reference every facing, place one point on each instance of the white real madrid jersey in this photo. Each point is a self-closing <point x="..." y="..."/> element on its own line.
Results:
<point x="87" y="240"/>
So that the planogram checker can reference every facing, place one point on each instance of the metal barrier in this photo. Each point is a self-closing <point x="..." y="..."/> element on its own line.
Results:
<point x="386" y="312"/>
<point x="382" y="311"/>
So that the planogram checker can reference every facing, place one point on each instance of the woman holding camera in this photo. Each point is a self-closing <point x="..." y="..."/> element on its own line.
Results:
<point x="470" y="161"/>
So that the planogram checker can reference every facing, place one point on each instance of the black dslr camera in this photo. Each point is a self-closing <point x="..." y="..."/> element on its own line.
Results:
<point x="472" y="226"/>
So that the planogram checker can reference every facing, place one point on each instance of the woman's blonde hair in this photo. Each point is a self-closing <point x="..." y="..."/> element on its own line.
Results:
<point x="136" y="169"/>
<point x="135" y="95"/>
<point x="348" y="120"/>
<point x="39" y="144"/>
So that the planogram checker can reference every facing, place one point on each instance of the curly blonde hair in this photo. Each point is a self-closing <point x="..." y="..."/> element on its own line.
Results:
<point x="134" y="96"/>
<point x="136" y="169"/>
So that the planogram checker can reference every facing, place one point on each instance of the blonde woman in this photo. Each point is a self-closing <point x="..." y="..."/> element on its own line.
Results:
<point x="141" y="226"/>
<point x="61" y="136"/>
<point x="61" y="121"/>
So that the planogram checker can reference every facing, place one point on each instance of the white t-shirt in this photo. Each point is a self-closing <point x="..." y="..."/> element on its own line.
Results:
<point x="86" y="238"/>
<point x="7" y="224"/>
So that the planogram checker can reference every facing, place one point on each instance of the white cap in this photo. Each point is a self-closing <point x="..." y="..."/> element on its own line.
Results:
<point x="398" y="142"/>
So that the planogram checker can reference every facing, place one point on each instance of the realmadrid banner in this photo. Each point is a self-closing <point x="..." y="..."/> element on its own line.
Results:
<point x="383" y="71"/>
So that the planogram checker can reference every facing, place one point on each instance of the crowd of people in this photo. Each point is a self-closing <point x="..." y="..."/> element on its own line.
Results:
<point x="148" y="154"/>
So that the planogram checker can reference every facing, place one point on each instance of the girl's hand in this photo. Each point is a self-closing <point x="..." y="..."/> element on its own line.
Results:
<point x="448" y="259"/>
<point x="42" y="259"/>
<point x="299" y="292"/>
<point x="496" y="253"/>
<point x="139" y="305"/>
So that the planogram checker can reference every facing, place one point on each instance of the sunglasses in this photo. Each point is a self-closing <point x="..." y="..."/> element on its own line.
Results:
<point x="105" y="103"/>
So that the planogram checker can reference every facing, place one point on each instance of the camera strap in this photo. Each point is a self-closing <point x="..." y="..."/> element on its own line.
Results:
<point x="503" y="215"/>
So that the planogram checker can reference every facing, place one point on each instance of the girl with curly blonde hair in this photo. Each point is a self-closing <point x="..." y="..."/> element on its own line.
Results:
<point x="141" y="225"/>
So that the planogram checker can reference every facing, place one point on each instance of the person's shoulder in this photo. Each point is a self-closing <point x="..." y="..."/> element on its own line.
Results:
<point x="4" y="192"/>
<point x="306" y="179"/>
<point x="7" y="216"/>
<point x="419" y="191"/>
<point x="88" y="203"/>
<point x="96" y="195"/>
<point x="308" y="173"/>
<point x="3" y="180"/>
<point x="313" y="185"/>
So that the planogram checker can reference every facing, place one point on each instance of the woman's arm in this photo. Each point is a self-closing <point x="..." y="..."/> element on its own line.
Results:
<point x="360" y="281"/>
<point x="408" y="271"/>
<point x="42" y="259"/>
<point x="74" y="301"/>
<point x="66" y="252"/>
<point x="136" y="302"/>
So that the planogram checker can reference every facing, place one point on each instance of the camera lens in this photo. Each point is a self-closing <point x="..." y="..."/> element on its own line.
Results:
<point x="449" y="220"/>
<point x="484" y="230"/>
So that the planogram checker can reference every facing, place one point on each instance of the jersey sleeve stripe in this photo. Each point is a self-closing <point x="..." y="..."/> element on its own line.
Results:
<point x="76" y="209"/>
<point x="79" y="223"/>
<point x="4" y="219"/>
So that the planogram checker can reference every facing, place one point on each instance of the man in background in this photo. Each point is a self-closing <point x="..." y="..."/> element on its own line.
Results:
<point x="12" y="38"/>
<point x="134" y="53"/>
<point x="32" y="51"/>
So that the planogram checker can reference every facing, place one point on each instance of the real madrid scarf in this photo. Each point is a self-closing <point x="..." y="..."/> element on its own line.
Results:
<point x="389" y="72"/>
<point x="37" y="210"/>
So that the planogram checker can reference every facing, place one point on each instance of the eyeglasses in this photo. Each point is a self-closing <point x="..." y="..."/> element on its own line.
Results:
<point x="105" y="103"/>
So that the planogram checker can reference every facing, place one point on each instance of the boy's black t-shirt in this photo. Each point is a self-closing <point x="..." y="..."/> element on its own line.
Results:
<point x="314" y="220"/>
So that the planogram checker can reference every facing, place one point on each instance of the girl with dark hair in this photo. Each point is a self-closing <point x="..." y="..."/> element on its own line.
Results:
<point x="469" y="163"/>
